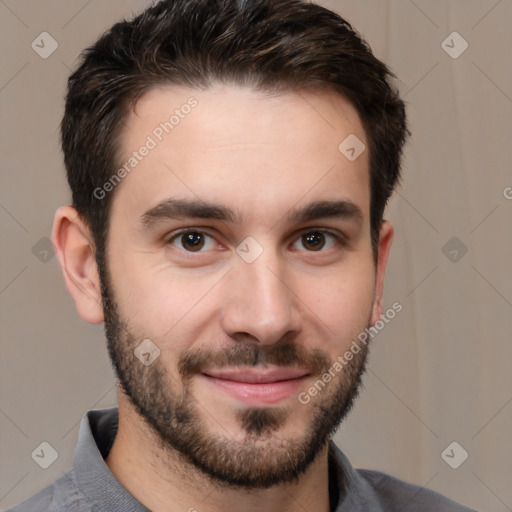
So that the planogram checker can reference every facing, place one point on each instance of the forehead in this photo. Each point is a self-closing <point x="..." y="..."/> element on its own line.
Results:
<point x="230" y="144"/>
<point x="231" y="114"/>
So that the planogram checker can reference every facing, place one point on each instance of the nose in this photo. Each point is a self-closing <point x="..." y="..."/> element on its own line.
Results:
<point x="259" y="302"/>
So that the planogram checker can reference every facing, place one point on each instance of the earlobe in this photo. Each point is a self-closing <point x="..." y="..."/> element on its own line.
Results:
<point x="385" y="241"/>
<point x="74" y="247"/>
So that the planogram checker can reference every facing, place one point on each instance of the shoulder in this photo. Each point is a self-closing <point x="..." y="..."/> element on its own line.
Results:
<point x="59" y="496"/>
<point x="364" y="490"/>
<point x="394" y="494"/>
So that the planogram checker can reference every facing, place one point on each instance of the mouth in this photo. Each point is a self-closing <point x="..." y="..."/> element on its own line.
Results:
<point x="257" y="386"/>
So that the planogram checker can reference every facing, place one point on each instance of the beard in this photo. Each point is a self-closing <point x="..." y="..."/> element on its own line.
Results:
<point x="258" y="460"/>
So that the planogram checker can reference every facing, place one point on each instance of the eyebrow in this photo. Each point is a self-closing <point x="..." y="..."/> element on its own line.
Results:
<point x="343" y="209"/>
<point x="182" y="208"/>
<point x="187" y="208"/>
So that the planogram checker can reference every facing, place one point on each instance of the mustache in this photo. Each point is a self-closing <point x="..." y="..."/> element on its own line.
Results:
<point x="286" y="354"/>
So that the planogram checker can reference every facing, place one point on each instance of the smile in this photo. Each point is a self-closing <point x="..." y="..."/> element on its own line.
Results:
<point x="257" y="386"/>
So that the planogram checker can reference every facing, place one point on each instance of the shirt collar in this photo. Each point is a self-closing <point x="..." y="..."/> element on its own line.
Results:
<point x="92" y="475"/>
<point x="95" y="480"/>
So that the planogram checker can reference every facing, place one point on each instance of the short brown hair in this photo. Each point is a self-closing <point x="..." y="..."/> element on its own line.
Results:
<point x="271" y="45"/>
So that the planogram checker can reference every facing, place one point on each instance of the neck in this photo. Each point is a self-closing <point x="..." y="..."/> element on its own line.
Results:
<point x="164" y="482"/>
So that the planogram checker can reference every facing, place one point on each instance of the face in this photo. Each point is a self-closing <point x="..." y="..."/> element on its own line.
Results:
<point x="240" y="250"/>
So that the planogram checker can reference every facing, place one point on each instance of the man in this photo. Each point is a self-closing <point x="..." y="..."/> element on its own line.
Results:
<point x="230" y="162"/>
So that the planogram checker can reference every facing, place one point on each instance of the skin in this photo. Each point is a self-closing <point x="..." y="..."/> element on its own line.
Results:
<point x="260" y="156"/>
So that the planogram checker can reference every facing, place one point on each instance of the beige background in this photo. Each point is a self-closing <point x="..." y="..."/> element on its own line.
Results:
<point x="439" y="372"/>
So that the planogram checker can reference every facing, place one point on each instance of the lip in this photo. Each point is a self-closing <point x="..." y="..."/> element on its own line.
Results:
<point x="257" y="386"/>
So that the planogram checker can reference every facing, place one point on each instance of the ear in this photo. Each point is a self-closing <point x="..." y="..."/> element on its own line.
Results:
<point x="385" y="241"/>
<point x="75" y="250"/>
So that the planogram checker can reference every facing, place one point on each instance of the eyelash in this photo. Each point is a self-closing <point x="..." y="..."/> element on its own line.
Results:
<point x="339" y="239"/>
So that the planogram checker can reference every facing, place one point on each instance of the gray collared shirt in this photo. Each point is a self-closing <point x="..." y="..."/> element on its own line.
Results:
<point x="91" y="487"/>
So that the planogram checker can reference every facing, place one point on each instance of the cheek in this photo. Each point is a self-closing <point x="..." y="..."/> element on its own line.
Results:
<point x="166" y="307"/>
<point x="342" y="302"/>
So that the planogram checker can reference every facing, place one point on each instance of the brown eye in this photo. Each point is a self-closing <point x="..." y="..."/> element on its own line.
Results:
<point x="317" y="241"/>
<point x="313" y="241"/>
<point x="192" y="241"/>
